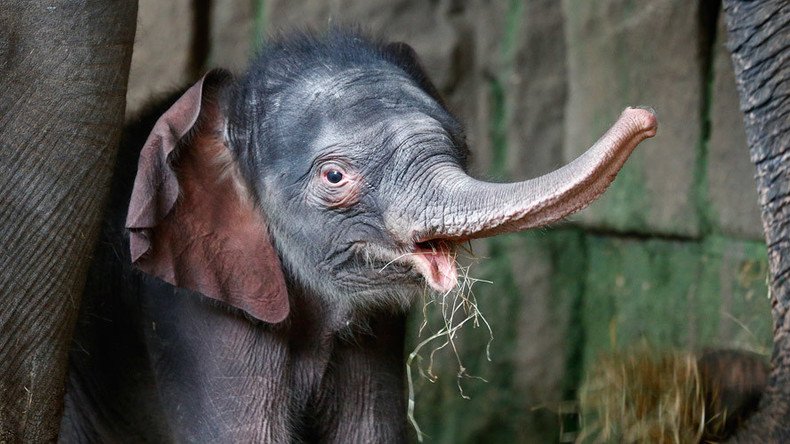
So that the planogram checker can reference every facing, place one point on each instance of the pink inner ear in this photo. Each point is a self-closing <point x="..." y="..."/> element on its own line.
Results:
<point x="211" y="239"/>
<point x="218" y="244"/>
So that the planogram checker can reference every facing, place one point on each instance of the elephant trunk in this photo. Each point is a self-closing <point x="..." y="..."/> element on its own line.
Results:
<point x="479" y="209"/>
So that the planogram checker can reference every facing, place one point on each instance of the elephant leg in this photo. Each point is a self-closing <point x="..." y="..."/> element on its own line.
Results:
<point x="220" y="377"/>
<point x="63" y="72"/>
<point x="759" y="38"/>
<point x="362" y="396"/>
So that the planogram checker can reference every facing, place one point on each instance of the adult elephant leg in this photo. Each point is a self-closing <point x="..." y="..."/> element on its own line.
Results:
<point x="63" y="72"/>
<point x="759" y="38"/>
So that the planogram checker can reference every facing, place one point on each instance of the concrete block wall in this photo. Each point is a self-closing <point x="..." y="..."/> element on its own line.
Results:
<point x="672" y="254"/>
<point x="731" y="195"/>
<point x="162" y="51"/>
<point x="614" y="60"/>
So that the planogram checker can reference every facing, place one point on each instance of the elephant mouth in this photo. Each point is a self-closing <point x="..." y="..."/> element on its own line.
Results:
<point x="435" y="260"/>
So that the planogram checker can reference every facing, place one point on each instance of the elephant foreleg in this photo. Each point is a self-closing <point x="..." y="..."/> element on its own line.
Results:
<point x="759" y="38"/>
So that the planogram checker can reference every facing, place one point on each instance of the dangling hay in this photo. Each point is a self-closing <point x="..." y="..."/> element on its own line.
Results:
<point x="458" y="307"/>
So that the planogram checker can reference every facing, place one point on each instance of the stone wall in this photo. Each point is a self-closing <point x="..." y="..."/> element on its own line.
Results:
<point x="673" y="253"/>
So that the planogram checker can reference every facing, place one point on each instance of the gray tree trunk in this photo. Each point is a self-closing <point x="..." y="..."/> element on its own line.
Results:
<point x="63" y="73"/>
<point x="759" y="39"/>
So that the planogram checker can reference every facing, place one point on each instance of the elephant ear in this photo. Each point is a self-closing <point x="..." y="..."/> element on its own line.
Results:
<point x="192" y="220"/>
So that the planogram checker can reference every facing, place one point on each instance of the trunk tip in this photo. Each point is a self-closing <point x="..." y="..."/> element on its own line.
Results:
<point x="643" y="118"/>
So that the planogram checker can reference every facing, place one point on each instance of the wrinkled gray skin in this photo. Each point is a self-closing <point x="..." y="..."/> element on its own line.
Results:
<point x="154" y="362"/>
<point x="63" y="71"/>
<point x="759" y="38"/>
<point x="372" y="122"/>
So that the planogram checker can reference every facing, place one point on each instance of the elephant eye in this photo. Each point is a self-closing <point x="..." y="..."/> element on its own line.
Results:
<point x="338" y="185"/>
<point x="334" y="176"/>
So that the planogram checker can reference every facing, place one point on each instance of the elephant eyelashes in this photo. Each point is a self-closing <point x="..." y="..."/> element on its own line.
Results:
<point x="339" y="186"/>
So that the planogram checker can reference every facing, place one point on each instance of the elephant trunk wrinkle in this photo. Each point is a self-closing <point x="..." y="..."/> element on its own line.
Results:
<point x="492" y="208"/>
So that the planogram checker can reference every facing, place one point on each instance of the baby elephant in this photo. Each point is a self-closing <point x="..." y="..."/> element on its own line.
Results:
<point x="283" y="222"/>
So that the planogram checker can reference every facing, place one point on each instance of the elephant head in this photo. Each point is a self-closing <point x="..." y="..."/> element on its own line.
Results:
<point x="335" y="161"/>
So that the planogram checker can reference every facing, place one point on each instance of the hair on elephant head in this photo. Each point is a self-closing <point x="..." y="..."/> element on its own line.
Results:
<point x="317" y="193"/>
<point x="338" y="154"/>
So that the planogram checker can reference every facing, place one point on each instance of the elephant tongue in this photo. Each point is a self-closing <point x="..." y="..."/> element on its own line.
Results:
<point x="436" y="262"/>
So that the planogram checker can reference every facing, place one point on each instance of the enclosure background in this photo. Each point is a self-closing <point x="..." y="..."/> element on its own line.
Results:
<point x="673" y="254"/>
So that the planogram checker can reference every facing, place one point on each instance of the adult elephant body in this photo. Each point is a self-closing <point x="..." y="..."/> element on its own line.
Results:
<point x="296" y="211"/>
<point x="63" y="71"/>
<point x="759" y="38"/>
